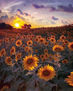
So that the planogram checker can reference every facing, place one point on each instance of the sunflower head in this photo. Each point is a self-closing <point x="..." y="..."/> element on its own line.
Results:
<point x="46" y="73"/>
<point x="2" y="52"/>
<point x="70" y="46"/>
<point x="58" y="48"/>
<point x="69" y="80"/>
<point x="30" y="62"/>
<point x="18" y="43"/>
<point x="12" y="50"/>
<point x="29" y="43"/>
<point x="18" y="56"/>
<point x="8" y="60"/>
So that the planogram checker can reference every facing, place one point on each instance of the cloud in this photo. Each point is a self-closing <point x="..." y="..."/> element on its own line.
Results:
<point x="64" y="22"/>
<point x="53" y="22"/>
<point x="38" y="6"/>
<point x="21" y="13"/>
<point x="55" y="18"/>
<point x="4" y="17"/>
<point x="62" y="8"/>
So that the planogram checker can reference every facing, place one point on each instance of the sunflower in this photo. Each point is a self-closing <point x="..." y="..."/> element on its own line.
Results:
<point x="8" y="60"/>
<point x="30" y="62"/>
<point x="12" y="50"/>
<point x="2" y="52"/>
<point x="65" y="61"/>
<point x="29" y="43"/>
<point x="18" y="56"/>
<point x="6" y="40"/>
<point x="58" y="48"/>
<point x="69" y="80"/>
<point x="41" y="40"/>
<point x="46" y="43"/>
<point x="70" y="46"/>
<point x="45" y="50"/>
<point x="18" y="43"/>
<point x="62" y="37"/>
<point x="46" y="55"/>
<point x="52" y="40"/>
<point x="28" y="49"/>
<point x="46" y="73"/>
<point x="23" y="45"/>
<point x="4" y="88"/>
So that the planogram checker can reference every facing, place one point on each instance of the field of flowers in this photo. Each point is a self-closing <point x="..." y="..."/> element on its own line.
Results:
<point x="36" y="62"/>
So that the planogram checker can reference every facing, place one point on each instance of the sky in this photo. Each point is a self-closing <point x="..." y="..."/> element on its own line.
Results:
<point x="38" y="13"/>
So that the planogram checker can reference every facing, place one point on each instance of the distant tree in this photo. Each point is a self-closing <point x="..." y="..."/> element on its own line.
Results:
<point x="5" y="26"/>
<point x="26" y="26"/>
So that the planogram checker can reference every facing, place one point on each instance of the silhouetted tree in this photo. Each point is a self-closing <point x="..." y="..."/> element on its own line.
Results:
<point x="5" y="26"/>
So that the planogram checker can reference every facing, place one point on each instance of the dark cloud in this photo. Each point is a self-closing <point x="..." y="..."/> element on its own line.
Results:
<point x="68" y="8"/>
<point x="38" y="6"/>
<point x="4" y="17"/>
<point x="19" y="12"/>
<point x="26" y="14"/>
<point x="55" y="18"/>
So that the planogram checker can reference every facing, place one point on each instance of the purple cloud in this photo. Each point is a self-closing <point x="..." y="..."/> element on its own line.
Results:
<point x="55" y="18"/>
<point x="4" y="17"/>
<point x="38" y="6"/>
<point x="19" y="11"/>
<point x="26" y="14"/>
<point x="68" y="8"/>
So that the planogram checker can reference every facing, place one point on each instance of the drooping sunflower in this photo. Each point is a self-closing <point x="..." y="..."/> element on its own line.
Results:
<point x="46" y="73"/>
<point x="12" y="50"/>
<point x="18" y="43"/>
<point x="30" y="62"/>
<point x="69" y="80"/>
<point x="8" y="60"/>
<point x="70" y="46"/>
<point x="58" y="48"/>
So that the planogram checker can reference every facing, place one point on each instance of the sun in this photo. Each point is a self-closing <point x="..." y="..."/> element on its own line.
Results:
<point x="17" y="25"/>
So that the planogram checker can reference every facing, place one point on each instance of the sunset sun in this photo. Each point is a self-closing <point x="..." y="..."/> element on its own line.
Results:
<point x="17" y="25"/>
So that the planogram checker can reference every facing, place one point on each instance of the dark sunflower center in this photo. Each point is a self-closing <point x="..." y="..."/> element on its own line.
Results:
<point x="72" y="46"/>
<point x="58" y="49"/>
<point x="30" y="61"/>
<point x="18" y="42"/>
<point x="9" y="59"/>
<point x="12" y="50"/>
<point x="46" y="73"/>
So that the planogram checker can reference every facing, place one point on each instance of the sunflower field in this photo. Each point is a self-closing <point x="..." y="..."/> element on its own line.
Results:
<point x="36" y="62"/>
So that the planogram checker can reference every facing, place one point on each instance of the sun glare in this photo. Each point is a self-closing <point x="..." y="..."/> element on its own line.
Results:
<point x="17" y="25"/>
